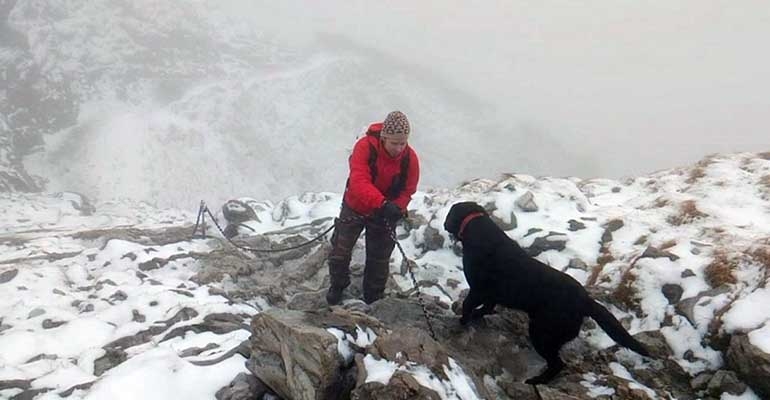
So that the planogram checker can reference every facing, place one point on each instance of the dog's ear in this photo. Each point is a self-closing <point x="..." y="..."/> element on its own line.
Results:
<point x="458" y="212"/>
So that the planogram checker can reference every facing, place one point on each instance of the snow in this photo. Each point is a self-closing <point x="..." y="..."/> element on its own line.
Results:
<point x="161" y="374"/>
<point x="749" y="312"/>
<point x="60" y="278"/>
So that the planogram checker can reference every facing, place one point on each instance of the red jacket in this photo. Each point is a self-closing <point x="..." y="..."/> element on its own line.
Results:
<point x="365" y="196"/>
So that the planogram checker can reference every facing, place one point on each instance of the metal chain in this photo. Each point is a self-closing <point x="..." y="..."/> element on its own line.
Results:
<point x="205" y="210"/>
<point x="200" y="221"/>
<point x="405" y="259"/>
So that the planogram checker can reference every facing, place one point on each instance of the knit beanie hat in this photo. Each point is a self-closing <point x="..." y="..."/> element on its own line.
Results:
<point x="395" y="126"/>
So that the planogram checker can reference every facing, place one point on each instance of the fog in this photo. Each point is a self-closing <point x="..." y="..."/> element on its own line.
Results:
<point x="587" y="89"/>
<point x="639" y="86"/>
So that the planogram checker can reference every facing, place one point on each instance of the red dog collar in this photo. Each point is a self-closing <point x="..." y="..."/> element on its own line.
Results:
<point x="466" y="220"/>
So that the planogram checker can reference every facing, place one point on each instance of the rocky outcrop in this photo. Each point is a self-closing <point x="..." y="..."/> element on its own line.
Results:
<point x="750" y="363"/>
<point x="296" y="355"/>
<point x="294" y="358"/>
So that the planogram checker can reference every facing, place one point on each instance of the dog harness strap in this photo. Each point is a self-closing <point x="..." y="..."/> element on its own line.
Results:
<point x="465" y="222"/>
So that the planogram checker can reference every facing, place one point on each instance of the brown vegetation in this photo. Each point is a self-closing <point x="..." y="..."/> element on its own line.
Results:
<point x="765" y="155"/>
<point x="720" y="271"/>
<point x="765" y="181"/>
<point x="695" y="174"/>
<point x="625" y="293"/>
<point x="688" y="213"/>
<point x="761" y="256"/>
<point x="661" y="202"/>
<point x="605" y="257"/>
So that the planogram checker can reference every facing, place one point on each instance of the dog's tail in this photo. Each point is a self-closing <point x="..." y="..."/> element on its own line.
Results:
<point x="614" y="329"/>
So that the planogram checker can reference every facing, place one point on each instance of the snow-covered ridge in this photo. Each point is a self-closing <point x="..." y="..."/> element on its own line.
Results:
<point x="683" y="252"/>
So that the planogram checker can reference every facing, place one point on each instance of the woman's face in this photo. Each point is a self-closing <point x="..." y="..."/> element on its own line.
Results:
<point x="394" y="147"/>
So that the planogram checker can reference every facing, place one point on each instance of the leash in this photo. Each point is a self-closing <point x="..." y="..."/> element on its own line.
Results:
<point x="537" y="392"/>
<point x="200" y="224"/>
<point x="200" y="221"/>
<point x="405" y="260"/>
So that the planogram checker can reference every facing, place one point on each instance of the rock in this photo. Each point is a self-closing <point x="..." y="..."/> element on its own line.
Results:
<point x="136" y="316"/>
<point x="237" y="212"/>
<point x="152" y="264"/>
<point x="50" y="324"/>
<point x="432" y="239"/>
<point x="527" y="202"/>
<point x="614" y="225"/>
<point x="194" y="351"/>
<point x="686" y="307"/>
<point x="750" y="363"/>
<point x="400" y="386"/>
<point x="575" y="225"/>
<point x="576" y="263"/>
<point x="553" y="241"/>
<point x="609" y="228"/>
<point x="725" y="382"/>
<point x="532" y="231"/>
<point x="119" y="296"/>
<point x="22" y="384"/>
<point x="111" y="358"/>
<point x="243" y="387"/>
<point x="654" y="252"/>
<point x="79" y="202"/>
<point x="297" y="360"/>
<point x="415" y="345"/>
<point x="506" y="226"/>
<point x="7" y="276"/>
<point x="701" y="381"/>
<point x="414" y="221"/>
<point x="453" y="283"/>
<point x="672" y="292"/>
<point x="4" y="327"/>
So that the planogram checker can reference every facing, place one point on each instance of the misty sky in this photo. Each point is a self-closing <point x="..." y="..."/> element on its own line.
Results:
<point x="264" y="99"/>
<point x="642" y="85"/>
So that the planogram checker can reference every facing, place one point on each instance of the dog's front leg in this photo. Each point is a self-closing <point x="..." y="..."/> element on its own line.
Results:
<point x="489" y="308"/>
<point x="471" y="302"/>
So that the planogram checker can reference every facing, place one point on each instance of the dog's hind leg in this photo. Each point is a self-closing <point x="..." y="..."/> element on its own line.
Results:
<point x="548" y="338"/>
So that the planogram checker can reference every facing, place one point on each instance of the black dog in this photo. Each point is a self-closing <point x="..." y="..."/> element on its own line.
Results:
<point x="499" y="271"/>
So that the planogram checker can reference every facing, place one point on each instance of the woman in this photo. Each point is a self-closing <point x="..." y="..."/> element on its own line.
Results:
<point x="384" y="171"/>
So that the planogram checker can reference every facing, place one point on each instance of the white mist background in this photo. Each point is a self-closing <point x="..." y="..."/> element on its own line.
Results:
<point x="595" y="88"/>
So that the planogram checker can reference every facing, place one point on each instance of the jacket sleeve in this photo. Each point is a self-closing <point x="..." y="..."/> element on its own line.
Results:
<point x="412" y="178"/>
<point x="361" y="185"/>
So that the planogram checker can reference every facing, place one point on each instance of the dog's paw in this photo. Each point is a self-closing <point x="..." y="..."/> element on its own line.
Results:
<point x="535" y="381"/>
<point x="480" y="313"/>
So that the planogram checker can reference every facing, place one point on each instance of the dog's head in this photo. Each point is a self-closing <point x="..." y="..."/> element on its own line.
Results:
<point x="457" y="214"/>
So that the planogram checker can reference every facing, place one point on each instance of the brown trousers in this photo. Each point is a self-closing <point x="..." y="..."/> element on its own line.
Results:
<point x="379" y="246"/>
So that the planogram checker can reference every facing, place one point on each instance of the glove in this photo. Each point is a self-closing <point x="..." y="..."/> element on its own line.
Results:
<point x="390" y="212"/>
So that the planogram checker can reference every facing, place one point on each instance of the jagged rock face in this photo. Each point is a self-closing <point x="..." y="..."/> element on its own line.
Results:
<point x="494" y="353"/>
<point x="400" y="386"/>
<point x="33" y="105"/>
<point x="297" y="360"/>
<point x="751" y="364"/>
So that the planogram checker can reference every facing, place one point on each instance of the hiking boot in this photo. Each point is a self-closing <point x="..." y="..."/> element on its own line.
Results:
<point x="370" y="298"/>
<point x="334" y="296"/>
